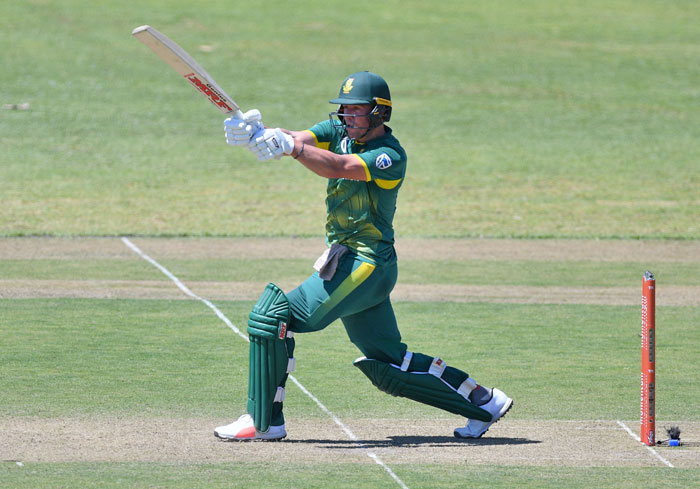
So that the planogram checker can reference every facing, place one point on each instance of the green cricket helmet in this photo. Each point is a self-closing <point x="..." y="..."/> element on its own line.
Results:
<point x="364" y="88"/>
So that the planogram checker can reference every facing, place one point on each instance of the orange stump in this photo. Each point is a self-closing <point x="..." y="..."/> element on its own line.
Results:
<point x="648" y="417"/>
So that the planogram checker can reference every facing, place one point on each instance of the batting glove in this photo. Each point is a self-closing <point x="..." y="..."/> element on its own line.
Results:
<point x="240" y="131"/>
<point x="271" y="143"/>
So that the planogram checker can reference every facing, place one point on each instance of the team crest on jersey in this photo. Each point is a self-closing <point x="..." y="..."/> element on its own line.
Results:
<point x="347" y="88"/>
<point x="383" y="161"/>
<point x="344" y="145"/>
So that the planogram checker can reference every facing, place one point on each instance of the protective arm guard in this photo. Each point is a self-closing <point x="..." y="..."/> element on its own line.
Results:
<point x="271" y="360"/>
<point x="426" y="384"/>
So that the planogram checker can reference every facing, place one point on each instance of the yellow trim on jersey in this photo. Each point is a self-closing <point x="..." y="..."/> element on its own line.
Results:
<point x="315" y="138"/>
<point x="387" y="184"/>
<point x="316" y="143"/>
<point x="364" y="165"/>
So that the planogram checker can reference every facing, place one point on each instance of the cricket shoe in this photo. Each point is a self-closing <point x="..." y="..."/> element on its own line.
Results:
<point x="498" y="406"/>
<point x="244" y="430"/>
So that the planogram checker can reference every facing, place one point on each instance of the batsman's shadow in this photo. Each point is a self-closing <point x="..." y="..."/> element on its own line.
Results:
<point x="417" y="441"/>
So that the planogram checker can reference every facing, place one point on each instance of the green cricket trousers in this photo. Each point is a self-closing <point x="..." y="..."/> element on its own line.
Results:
<point x="358" y="295"/>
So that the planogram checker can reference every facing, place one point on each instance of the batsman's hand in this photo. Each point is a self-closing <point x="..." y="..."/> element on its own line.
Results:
<point x="240" y="131"/>
<point x="271" y="143"/>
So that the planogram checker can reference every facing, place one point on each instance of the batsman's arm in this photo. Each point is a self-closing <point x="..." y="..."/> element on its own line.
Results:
<point x="326" y="163"/>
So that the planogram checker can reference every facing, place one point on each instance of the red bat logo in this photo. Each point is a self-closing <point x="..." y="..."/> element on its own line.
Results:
<point x="213" y="97"/>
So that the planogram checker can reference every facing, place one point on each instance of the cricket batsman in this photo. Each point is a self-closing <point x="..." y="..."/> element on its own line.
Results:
<point x="365" y="166"/>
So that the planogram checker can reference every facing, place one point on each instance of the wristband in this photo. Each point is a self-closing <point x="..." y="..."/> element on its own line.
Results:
<point x="300" y="151"/>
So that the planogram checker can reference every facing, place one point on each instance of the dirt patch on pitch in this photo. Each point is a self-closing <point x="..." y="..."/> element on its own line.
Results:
<point x="510" y="442"/>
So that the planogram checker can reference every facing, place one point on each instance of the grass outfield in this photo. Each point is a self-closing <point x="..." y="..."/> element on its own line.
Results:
<point x="538" y="119"/>
<point x="428" y="475"/>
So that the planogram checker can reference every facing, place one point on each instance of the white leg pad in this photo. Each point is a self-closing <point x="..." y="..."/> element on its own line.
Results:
<point x="406" y="360"/>
<point x="437" y="367"/>
<point x="466" y="388"/>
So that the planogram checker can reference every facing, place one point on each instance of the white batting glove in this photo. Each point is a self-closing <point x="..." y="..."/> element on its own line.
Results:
<point x="239" y="131"/>
<point x="271" y="143"/>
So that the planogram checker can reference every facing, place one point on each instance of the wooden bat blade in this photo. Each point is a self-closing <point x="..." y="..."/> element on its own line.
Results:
<point x="170" y="52"/>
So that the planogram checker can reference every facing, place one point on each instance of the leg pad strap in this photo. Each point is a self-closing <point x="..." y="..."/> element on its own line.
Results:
<point x="425" y="386"/>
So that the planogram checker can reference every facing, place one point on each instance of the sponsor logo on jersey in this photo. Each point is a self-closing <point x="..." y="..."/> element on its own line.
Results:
<point x="344" y="145"/>
<point x="383" y="161"/>
<point x="347" y="88"/>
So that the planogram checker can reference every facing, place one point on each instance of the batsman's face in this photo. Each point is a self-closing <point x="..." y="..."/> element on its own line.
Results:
<point x="356" y="120"/>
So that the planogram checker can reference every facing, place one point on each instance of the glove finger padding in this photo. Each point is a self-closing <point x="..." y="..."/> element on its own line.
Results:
<point x="235" y="137"/>
<point x="253" y="116"/>
<point x="240" y="131"/>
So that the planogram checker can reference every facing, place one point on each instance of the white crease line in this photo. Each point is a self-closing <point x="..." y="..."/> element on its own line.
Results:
<point x="654" y="452"/>
<point x="221" y="316"/>
<point x="183" y="287"/>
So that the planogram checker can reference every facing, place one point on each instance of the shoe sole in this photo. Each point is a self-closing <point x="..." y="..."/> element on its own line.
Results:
<point x="508" y="407"/>
<point x="224" y="438"/>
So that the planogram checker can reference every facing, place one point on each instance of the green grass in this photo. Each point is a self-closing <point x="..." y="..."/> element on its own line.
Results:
<point x="344" y="476"/>
<point x="544" y="119"/>
<point x="174" y="358"/>
<point x="91" y="269"/>
<point x="473" y="272"/>
<point x="151" y="475"/>
<point x="73" y="357"/>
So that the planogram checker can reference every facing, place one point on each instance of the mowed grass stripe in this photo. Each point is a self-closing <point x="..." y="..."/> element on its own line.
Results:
<point x="408" y="248"/>
<point x="515" y="281"/>
<point x="411" y="271"/>
<point x="344" y="476"/>
<point x="235" y="291"/>
<point x="188" y="475"/>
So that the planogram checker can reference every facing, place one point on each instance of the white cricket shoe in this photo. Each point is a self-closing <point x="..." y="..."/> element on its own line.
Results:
<point x="498" y="406"/>
<point x="244" y="429"/>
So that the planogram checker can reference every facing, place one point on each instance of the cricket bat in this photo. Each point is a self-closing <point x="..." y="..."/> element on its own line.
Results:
<point x="186" y="66"/>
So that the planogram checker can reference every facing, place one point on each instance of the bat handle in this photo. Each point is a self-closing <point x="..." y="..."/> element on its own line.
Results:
<point x="238" y="114"/>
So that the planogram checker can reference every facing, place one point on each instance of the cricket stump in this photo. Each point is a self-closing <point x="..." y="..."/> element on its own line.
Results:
<point x="648" y="416"/>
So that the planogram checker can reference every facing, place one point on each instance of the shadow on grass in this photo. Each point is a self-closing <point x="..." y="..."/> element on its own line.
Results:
<point x="416" y="441"/>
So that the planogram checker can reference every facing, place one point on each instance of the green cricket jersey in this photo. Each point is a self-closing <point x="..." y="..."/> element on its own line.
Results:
<point x="360" y="214"/>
